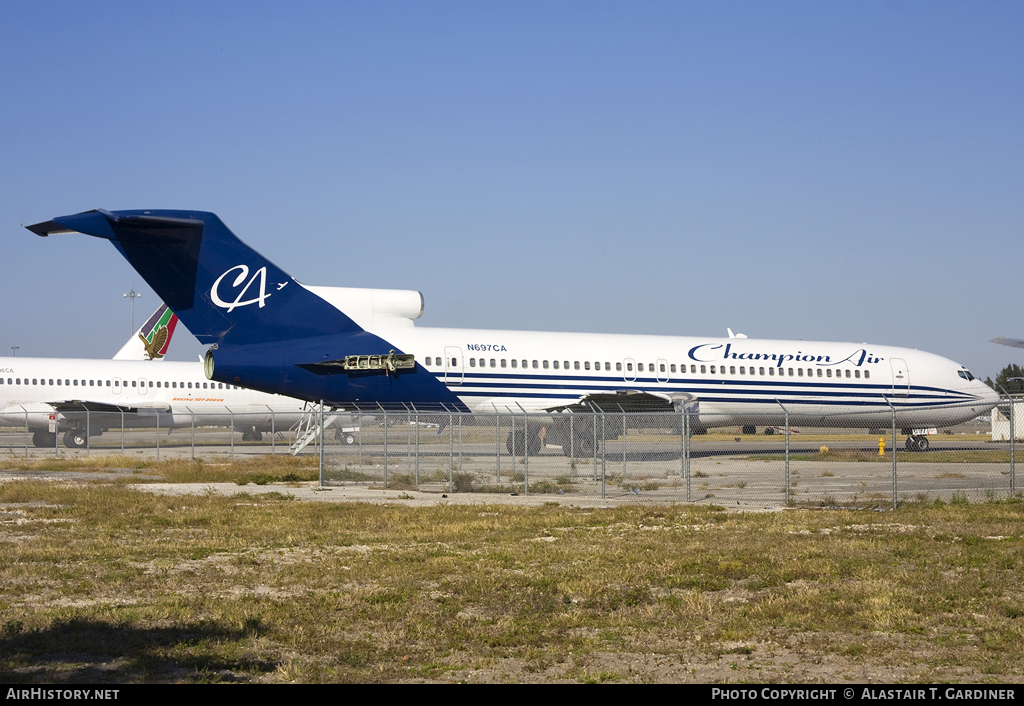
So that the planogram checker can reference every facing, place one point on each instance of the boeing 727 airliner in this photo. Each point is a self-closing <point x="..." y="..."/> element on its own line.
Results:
<point x="345" y="346"/>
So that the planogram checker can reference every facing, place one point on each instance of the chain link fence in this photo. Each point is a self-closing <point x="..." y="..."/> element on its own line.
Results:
<point x="767" y="461"/>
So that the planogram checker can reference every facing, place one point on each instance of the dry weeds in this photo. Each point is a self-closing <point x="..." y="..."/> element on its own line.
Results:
<point x="101" y="582"/>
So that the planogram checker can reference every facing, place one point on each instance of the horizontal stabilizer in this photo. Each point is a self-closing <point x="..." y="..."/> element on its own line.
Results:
<point x="224" y="291"/>
<point x="1012" y="342"/>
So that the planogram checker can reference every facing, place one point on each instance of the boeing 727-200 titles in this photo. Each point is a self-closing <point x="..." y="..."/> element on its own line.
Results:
<point x="267" y="331"/>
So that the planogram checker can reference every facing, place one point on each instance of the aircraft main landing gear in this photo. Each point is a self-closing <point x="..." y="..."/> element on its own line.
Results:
<point x="75" y="439"/>
<point x="44" y="439"/>
<point x="917" y="443"/>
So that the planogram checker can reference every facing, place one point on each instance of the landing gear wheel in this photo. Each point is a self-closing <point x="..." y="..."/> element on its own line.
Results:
<point x="44" y="439"/>
<point x="75" y="439"/>
<point x="582" y="446"/>
<point x="917" y="443"/>
<point x="515" y="446"/>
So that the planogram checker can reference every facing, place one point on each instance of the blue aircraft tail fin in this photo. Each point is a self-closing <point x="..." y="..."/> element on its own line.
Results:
<point x="222" y="290"/>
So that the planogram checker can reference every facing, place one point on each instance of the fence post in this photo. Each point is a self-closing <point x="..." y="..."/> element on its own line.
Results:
<point x="1013" y="434"/>
<point x="359" y="426"/>
<point x="512" y="436"/>
<point x="231" y="431"/>
<point x="157" y="431"/>
<point x="686" y="450"/>
<point x="593" y="423"/>
<point x="604" y="456"/>
<point x="682" y="440"/>
<point x="894" y="487"/>
<point x="572" y="444"/>
<point x="88" y="435"/>
<point x="26" y="428"/>
<point x="122" y="432"/>
<point x="385" y="444"/>
<point x="320" y="462"/>
<point x="56" y="433"/>
<point x="417" y="446"/>
<point x="497" y="446"/>
<point x="451" y="450"/>
<point x="623" y="441"/>
<point x="526" y="450"/>
<point x="786" y="418"/>
<point x="273" y="429"/>
<point x="193" y="438"/>
<point x="895" y="450"/>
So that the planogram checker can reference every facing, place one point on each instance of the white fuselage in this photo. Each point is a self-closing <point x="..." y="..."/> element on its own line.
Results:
<point x="167" y="393"/>
<point x="732" y="380"/>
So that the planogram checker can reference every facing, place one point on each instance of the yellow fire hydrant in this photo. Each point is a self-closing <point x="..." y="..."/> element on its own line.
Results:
<point x="881" y="446"/>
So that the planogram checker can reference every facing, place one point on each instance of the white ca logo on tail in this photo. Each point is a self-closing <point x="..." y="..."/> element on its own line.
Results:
<point x="261" y="299"/>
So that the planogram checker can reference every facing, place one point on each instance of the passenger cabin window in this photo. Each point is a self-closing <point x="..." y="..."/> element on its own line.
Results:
<point x="503" y="363"/>
<point x="545" y="365"/>
<point x="513" y="362"/>
<point x="586" y="365"/>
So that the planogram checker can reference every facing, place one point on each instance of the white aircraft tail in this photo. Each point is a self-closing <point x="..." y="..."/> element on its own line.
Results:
<point x="152" y="339"/>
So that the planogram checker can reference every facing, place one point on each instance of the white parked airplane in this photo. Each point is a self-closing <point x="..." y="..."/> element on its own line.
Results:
<point x="346" y="346"/>
<point x="79" y="391"/>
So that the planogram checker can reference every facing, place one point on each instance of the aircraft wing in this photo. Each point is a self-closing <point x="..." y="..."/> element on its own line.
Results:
<point x="68" y="407"/>
<point x="1012" y="342"/>
<point x="628" y="401"/>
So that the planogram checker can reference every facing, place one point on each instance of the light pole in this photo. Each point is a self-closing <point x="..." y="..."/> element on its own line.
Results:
<point x="14" y="351"/>
<point x="133" y="295"/>
<point x="1013" y="434"/>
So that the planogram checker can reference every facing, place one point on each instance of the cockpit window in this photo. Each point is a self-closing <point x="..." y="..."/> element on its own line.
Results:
<point x="965" y="374"/>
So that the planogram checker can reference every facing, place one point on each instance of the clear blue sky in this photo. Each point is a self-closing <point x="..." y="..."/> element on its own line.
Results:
<point x="831" y="171"/>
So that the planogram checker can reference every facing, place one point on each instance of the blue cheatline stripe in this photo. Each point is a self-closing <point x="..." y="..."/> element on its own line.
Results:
<point x="873" y="403"/>
<point x="847" y="391"/>
<point x="577" y="381"/>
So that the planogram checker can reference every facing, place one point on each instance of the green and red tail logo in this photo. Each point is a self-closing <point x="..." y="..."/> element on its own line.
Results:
<point x="156" y="333"/>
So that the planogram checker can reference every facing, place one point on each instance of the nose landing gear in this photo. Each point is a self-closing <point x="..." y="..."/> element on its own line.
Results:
<point x="917" y="443"/>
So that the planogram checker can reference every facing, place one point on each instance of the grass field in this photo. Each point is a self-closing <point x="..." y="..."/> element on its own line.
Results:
<point x="102" y="582"/>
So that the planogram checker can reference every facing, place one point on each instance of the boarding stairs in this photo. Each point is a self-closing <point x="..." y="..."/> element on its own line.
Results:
<point x="307" y="429"/>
